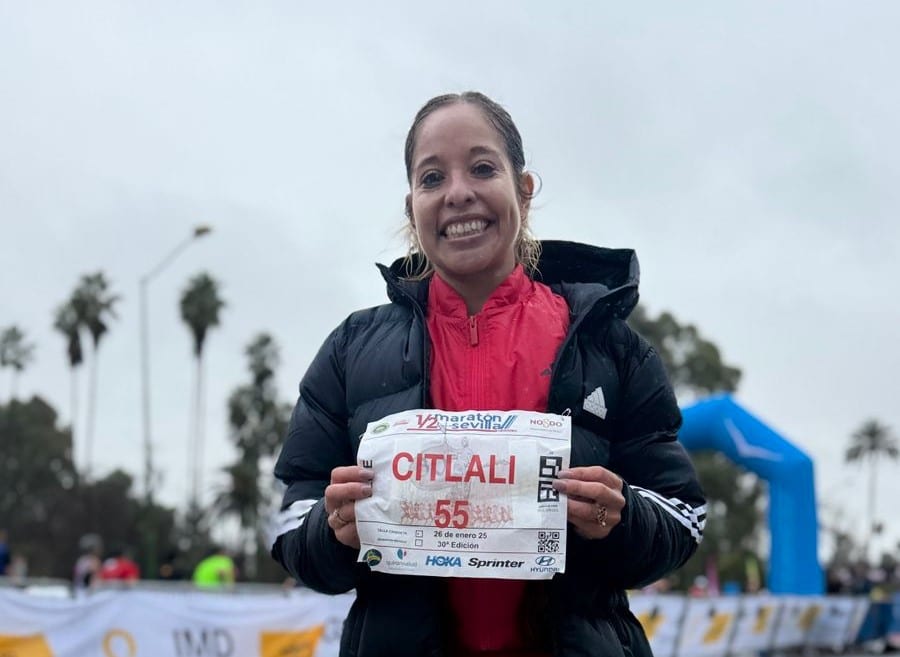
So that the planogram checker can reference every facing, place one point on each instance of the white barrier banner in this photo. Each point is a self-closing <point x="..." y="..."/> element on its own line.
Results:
<point x="161" y="624"/>
<point x="831" y="627"/>
<point x="755" y="624"/>
<point x="798" y="615"/>
<point x="465" y="494"/>
<point x="660" y="616"/>
<point x="301" y="623"/>
<point x="707" y="628"/>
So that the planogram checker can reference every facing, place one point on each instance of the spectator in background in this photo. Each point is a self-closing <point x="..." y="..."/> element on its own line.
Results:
<point x="4" y="552"/>
<point x="88" y="564"/>
<point x="120" y="567"/>
<point x="17" y="570"/>
<point x="216" y="570"/>
<point x="169" y="569"/>
<point x="699" y="588"/>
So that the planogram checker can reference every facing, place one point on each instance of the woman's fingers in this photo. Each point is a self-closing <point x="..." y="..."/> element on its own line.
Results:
<point x="593" y="513"/>
<point x="595" y="499"/>
<point x="345" y="532"/>
<point x="593" y="473"/>
<point x="349" y="473"/>
<point x="590" y="491"/>
<point x="342" y="520"/>
<point x="338" y="494"/>
<point x="348" y="484"/>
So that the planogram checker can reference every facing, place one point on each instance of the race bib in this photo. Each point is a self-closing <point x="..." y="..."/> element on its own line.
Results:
<point x="465" y="494"/>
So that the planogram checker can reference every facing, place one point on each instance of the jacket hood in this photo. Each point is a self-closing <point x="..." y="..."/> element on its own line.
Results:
<point x="591" y="278"/>
<point x="588" y="277"/>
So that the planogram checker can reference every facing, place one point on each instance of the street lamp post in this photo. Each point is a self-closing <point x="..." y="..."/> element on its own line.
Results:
<point x="199" y="231"/>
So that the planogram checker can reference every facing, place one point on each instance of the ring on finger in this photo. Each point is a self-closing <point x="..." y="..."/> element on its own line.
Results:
<point x="602" y="512"/>
<point x="336" y="515"/>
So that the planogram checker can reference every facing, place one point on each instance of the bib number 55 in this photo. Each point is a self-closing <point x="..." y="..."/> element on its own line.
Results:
<point x="451" y="513"/>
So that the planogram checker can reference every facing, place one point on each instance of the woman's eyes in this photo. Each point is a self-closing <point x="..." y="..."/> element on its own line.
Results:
<point x="484" y="169"/>
<point x="432" y="179"/>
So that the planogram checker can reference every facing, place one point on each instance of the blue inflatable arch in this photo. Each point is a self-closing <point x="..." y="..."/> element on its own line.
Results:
<point x="720" y="424"/>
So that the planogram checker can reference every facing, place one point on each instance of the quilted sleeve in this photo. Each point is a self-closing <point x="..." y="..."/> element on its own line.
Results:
<point x="316" y="443"/>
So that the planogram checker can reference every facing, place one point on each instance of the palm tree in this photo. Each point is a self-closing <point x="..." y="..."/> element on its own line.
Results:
<point x="66" y="322"/>
<point x="93" y="304"/>
<point x="242" y="498"/>
<point x="258" y="422"/>
<point x="200" y="308"/>
<point x="15" y="353"/>
<point x="872" y="441"/>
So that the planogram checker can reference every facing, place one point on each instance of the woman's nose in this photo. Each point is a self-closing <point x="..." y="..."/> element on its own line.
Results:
<point x="459" y="191"/>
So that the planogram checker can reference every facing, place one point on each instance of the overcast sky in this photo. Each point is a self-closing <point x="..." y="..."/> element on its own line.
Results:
<point x="749" y="152"/>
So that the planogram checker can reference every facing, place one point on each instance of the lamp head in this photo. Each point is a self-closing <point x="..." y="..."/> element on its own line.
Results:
<point x="202" y="229"/>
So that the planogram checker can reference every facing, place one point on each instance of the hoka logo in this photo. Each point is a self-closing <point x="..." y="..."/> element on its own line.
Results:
<point x="443" y="561"/>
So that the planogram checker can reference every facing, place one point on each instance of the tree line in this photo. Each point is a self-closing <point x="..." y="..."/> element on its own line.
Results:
<point x="732" y="546"/>
<point x="48" y="499"/>
<point x="51" y="498"/>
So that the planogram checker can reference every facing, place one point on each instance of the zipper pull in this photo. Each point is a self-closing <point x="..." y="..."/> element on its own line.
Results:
<point x="473" y="331"/>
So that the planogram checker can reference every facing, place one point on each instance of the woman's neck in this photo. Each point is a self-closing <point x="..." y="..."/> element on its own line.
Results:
<point x="476" y="290"/>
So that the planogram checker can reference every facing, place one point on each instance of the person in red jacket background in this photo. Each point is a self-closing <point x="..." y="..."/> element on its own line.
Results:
<point x="120" y="567"/>
<point x="503" y="327"/>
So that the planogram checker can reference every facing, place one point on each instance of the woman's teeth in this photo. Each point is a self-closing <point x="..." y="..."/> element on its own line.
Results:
<point x="464" y="228"/>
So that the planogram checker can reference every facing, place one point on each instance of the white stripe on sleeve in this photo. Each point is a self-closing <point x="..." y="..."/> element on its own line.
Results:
<point x="289" y="519"/>
<point x="693" y="518"/>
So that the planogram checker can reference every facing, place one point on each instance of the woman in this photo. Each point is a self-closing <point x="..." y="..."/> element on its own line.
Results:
<point x="484" y="317"/>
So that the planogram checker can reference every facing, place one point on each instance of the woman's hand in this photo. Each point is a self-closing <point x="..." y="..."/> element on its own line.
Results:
<point x="348" y="484"/>
<point x="595" y="499"/>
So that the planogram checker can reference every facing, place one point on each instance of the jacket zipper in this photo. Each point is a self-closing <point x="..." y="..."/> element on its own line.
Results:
<point x="475" y="358"/>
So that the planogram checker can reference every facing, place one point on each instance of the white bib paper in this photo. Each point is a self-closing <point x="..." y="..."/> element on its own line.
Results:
<point x="465" y="494"/>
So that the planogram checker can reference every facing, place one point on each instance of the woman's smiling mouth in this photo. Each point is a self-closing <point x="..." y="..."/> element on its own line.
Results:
<point x="467" y="228"/>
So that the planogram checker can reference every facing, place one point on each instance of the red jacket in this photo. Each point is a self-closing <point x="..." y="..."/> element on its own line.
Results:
<point x="120" y="568"/>
<point x="499" y="359"/>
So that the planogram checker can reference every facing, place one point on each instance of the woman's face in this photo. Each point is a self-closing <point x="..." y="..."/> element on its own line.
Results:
<point x="463" y="202"/>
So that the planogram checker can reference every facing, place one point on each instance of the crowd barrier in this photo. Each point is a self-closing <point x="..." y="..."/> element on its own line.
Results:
<point x="739" y="625"/>
<point x="299" y="623"/>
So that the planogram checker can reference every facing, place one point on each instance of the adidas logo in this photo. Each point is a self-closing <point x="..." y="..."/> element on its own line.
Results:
<point x="595" y="404"/>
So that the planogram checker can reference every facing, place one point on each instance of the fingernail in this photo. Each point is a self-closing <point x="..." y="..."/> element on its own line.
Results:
<point x="367" y="473"/>
<point x="564" y="474"/>
<point x="560" y="486"/>
<point x="367" y="491"/>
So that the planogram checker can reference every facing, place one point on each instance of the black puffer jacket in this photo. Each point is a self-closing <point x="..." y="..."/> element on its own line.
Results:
<point x="374" y="364"/>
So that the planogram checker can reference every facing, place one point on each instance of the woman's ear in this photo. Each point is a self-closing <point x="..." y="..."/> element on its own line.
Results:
<point x="409" y="214"/>
<point x="526" y="191"/>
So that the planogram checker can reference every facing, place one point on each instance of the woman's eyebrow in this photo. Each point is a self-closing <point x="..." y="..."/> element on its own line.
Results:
<point x="475" y="150"/>
<point x="483" y="150"/>
<point x="428" y="161"/>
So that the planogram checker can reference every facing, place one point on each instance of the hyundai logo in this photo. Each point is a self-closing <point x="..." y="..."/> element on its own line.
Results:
<point x="545" y="561"/>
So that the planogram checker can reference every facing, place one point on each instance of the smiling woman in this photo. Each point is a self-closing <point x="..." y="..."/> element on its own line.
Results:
<point x="467" y="203"/>
<point x="484" y="318"/>
<point x="469" y="191"/>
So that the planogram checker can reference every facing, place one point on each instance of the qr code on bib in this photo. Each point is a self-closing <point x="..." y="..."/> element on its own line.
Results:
<point x="548" y="542"/>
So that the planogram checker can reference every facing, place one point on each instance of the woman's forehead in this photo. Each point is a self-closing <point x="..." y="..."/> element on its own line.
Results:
<point x="460" y="128"/>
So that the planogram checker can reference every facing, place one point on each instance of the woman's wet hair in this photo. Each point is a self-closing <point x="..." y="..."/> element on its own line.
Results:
<point x="528" y="249"/>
